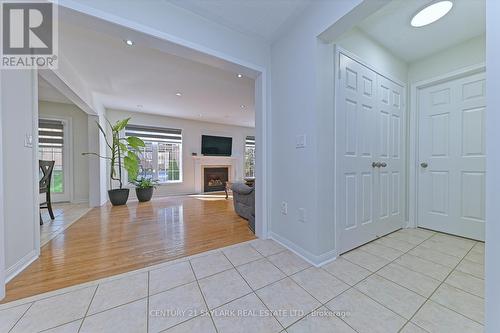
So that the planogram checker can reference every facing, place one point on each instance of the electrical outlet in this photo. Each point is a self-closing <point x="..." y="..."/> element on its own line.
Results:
<point x="284" y="208"/>
<point x="302" y="215"/>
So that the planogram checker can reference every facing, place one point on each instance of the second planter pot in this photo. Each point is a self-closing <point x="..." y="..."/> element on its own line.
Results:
<point x="144" y="194"/>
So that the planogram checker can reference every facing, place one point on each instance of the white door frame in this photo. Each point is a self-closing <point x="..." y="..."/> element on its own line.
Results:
<point x="339" y="50"/>
<point x="413" y="133"/>
<point x="67" y="155"/>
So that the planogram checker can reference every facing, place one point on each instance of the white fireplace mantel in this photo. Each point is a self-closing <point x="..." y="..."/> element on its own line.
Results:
<point x="200" y="162"/>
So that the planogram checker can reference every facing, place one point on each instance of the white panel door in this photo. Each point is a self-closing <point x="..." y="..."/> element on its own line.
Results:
<point x="368" y="130"/>
<point x="390" y="176"/>
<point x="451" y="179"/>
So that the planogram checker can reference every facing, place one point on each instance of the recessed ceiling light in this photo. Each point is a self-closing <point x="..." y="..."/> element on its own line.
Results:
<point x="240" y="75"/>
<point x="242" y="106"/>
<point x="129" y="42"/>
<point x="178" y="94"/>
<point x="431" y="13"/>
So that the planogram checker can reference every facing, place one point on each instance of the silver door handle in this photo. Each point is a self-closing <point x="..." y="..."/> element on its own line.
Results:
<point x="383" y="164"/>
<point x="375" y="164"/>
<point x="424" y="165"/>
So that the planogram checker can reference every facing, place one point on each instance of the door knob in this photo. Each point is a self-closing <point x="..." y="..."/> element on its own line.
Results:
<point x="383" y="164"/>
<point x="424" y="165"/>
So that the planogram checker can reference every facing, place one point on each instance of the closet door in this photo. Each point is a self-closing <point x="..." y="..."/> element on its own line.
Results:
<point x="356" y="150"/>
<point x="389" y="176"/>
<point x="369" y="162"/>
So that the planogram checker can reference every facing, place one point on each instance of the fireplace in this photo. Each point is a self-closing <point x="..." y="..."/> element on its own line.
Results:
<point x="215" y="179"/>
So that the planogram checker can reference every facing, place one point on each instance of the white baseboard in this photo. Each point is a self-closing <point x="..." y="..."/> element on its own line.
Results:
<point x="80" y="201"/>
<point x="313" y="259"/>
<point x="19" y="266"/>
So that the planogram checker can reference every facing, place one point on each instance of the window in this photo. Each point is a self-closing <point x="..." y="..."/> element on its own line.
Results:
<point x="51" y="148"/>
<point x="250" y="156"/>
<point x="161" y="159"/>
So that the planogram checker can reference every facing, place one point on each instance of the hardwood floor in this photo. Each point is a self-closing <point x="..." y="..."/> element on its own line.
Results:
<point x="112" y="240"/>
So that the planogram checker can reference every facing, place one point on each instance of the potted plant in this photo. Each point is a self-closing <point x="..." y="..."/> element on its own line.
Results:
<point x="123" y="154"/>
<point x="144" y="188"/>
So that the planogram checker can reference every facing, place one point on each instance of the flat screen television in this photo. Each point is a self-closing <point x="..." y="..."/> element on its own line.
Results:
<point x="216" y="145"/>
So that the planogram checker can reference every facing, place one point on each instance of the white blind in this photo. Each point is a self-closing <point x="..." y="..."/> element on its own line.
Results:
<point x="156" y="134"/>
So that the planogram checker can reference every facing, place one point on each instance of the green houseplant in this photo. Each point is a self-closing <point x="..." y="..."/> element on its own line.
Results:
<point x="123" y="154"/>
<point x="144" y="188"/>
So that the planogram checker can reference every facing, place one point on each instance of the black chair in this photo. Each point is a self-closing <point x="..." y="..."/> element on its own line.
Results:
<point x="46" y="167"/>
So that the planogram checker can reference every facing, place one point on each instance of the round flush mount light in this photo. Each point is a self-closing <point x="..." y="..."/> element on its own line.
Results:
<point x="129" y="42"/>
<point x="431" y="13"/>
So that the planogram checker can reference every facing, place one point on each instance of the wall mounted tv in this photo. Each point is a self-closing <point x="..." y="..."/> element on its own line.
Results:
<point x="216" y="145"/>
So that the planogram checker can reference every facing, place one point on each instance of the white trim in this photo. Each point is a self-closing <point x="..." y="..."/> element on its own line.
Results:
<point x="67" y="195"/>
<point x="413" y="133"/>
<point x="339" y="50"/>
<point x="2" y="225"/>
<point x="19" y="266"/>
<point x="36" y="169"/>
<point x="313" y="259"/>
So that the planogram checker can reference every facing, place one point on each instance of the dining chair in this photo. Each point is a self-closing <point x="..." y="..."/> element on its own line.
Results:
<point x="46" y="167"/>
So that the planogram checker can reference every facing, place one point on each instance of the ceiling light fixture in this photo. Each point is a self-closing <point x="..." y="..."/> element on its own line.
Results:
<point x="239" y="76"/>
<point x="129" y="42"/>
<point x="178" y="94"/>
<point x="431" y="13"/>
<point x="242" y="106"/>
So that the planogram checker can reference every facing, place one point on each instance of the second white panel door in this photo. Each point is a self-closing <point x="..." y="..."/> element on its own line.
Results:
<point x="451" y="177"/>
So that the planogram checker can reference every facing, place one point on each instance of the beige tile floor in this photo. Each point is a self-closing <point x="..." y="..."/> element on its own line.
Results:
<point x="410" y="281"/>
<point x="65" y="215"/>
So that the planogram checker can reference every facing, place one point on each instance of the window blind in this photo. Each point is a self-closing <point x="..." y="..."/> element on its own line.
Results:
<point x="50" y="133"/>
<point x="250" y="141"/>
<point x="156" y="134"/>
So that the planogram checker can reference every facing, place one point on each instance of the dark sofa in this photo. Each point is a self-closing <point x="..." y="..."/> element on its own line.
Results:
<point x="244" y="202"/>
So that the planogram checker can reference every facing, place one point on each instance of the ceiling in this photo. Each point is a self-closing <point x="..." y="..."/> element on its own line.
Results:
<point x="265" y="19"/>
<point x="46" y="92"/>
<point x="144" y="79"/>
<point x="390" y="26"/>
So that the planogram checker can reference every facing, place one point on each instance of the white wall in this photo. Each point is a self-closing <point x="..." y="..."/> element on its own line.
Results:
<point x="374" y="54"/>
<point x="2" y="225"/>
<point x="20" y="165"/>
<point x="191" y="143"/>
<point x="471" y="52"/>
<point x="492" y="167"/>
<point x="304" y="177"/>
<point x="79" y="136"/>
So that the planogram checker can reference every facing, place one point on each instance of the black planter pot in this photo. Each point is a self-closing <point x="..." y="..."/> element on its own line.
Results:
<point x="118" y="196"/>
<point x="144" y="194"/>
